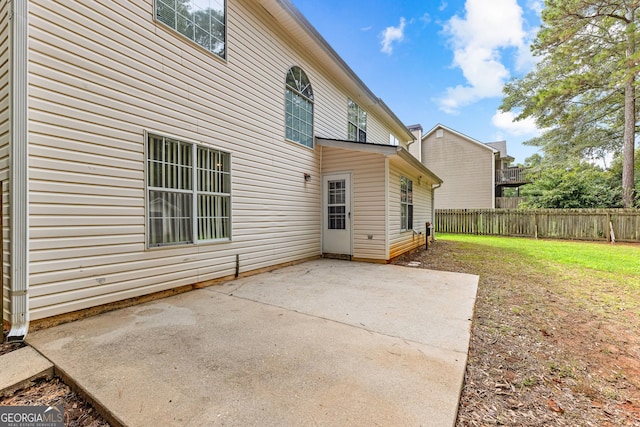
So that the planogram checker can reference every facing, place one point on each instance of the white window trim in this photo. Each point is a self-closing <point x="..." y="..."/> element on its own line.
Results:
<point x="310" y="99"/>
<point x="193" y="191"/>
<point x="357" y="124"/>
<point x="404" y="224"/>
<point x="176" y="33"/>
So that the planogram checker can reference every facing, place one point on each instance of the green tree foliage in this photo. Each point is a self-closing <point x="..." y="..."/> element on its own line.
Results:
<point x="581" y="186"/>
<point x="583" y="90"/>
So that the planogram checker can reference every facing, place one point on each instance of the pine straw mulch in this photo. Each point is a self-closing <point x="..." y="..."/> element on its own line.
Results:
<point x="7" y="347"/>
<point x="53" y="392"/>
<point x="77" y="412"/>
<point x="538" y="356"/>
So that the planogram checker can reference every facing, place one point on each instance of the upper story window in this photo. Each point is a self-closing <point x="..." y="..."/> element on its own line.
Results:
<point x="189" y="192"/>
<point x="202" y="21"/>
<point x="357" y="122"/>
<point x="299" y="107"/>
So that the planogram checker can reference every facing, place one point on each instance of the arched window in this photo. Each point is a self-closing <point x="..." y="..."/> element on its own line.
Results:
<point x="299" y="107"/>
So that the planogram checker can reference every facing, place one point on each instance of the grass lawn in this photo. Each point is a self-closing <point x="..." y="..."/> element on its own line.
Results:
<point x="599" y="276"/>
<point x="555" y="338"/>
<point x="620" y="259"/>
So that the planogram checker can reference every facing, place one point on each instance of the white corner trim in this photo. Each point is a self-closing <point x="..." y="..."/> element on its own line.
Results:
<point x="19" y="172"/>
<point x="493" y="182"/>
<point x="387" y="205"/>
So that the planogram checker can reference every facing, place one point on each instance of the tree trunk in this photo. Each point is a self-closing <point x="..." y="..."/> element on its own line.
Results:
<point x="629" y="123"/>
<point x="629" y="144"/>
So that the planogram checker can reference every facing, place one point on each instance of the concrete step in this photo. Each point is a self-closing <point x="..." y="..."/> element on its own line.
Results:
<point x="20" y="368"/>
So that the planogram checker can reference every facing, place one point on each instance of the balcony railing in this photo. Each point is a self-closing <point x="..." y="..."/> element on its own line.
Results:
<point x="514" y="176"/>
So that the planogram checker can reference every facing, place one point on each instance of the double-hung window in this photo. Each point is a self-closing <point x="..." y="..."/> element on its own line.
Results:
<point x="188" y="192"/>
<point x="357" y="122"/>
<point x="202" y="21"/>
<point x="406" y="204"/>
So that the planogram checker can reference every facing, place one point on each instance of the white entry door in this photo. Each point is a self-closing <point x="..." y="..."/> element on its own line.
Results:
<point x="336" y="206"/>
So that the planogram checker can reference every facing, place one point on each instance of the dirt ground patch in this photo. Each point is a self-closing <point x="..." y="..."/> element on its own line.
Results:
<point x="539" y="355"/>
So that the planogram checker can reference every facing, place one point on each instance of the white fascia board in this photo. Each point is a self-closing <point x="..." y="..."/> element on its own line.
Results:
<point x="410" y="158"/>
<point x="385" y="150"/>
<point x="358" y="146"/>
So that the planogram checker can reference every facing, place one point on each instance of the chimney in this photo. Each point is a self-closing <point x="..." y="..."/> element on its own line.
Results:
<point x="415" y="148"/>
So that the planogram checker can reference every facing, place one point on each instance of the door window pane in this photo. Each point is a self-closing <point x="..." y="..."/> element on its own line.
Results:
<point x="336" y="203"/>
<point x="337" y="218"/>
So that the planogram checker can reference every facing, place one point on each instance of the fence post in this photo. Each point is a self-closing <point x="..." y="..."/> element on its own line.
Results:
<point x="606" y="226"/>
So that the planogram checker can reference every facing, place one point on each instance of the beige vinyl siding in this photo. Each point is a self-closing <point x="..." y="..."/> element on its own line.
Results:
<point x="466" y="167"/>
<point x="101" y="74"/>
<point x="403" y="241"/>
<point x="5" y="93"/>
<point x="367" y="183"/>
<point x="377" y="132"/>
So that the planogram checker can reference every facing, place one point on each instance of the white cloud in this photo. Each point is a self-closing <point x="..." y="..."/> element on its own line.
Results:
<point x="443" y="6"/>
<point x="392" y="35"/>
<point x="536" y="6"/>
<point x="506" y="121"/>
<point x="366" y="28"/>
<point x="477" y="40"/>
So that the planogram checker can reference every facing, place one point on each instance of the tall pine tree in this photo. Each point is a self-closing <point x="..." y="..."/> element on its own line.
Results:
<point x="583" y="90"/>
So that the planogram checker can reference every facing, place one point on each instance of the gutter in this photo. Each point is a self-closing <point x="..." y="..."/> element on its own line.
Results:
<point x="18" y="172"/>
<point x="410" y="158"/>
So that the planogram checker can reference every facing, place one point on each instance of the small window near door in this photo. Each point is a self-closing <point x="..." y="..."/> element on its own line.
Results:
<point x="336" y="205"/>
<point x="406" y="204"/>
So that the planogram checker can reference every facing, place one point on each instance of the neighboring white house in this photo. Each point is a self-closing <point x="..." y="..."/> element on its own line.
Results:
<point x="470" y="169"/>
<point x="147" y="146"/>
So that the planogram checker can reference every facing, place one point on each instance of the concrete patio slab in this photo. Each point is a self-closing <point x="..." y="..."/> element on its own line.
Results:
<point x="426" y="306"/>
<point x="331" y="344"/>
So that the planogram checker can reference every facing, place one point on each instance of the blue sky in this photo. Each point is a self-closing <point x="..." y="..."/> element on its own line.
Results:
<point x="437" y="61"/>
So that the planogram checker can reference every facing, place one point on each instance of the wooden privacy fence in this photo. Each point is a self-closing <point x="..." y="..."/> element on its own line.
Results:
<point x="580" y="224"/>
<point x="509" y="202"/>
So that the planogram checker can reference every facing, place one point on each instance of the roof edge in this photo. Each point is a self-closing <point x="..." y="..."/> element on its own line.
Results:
<point x="294" y="12"/>
<point x="460" y="134"/>
<point x="386" y="150"/>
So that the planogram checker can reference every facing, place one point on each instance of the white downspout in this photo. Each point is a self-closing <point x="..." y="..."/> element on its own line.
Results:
<point x="19" y="173"/>
<point x="433" y="209"/>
